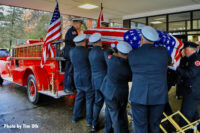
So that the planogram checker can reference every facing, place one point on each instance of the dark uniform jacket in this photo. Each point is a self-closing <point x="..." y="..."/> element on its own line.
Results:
<point x="181" y="85"/>
<point x="191" y="74"/>
<point x="118" y="75"/>
<point x="69" y="43"/>
<point x="149" y="80"/>
<point x="98" y="66"/>
<point x="1" y="81"/>
<point x="171" y="78"/>
<point x="81" y="65"/>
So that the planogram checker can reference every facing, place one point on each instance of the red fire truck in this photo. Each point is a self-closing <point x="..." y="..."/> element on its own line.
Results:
<point x="23" y="68"/>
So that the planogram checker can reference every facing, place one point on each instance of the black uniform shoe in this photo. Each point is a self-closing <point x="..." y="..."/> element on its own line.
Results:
<point x="93" y="129"/>
<point x="69" y="92"/>
<point x="74" y="121"/>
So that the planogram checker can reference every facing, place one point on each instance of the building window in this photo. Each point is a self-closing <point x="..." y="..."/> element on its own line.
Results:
<point x="179" y="21"/>
<point x="138" y="22"/>
<point x="196" y="20"/>
<point x="158" y="22"/>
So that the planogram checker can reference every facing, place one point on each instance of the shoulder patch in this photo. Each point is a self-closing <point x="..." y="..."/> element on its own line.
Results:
<point x="197" y="63"/>
<point x="109" y="56"/>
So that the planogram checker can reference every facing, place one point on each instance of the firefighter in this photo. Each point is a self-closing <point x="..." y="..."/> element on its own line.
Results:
<point x="82" y="79"/>
<point x="69" y="44"/>
<point x="191" y="95"/>
<point x="149" y="92"/>
<point x="180" y="86"/>
<point x="115" y="86"/>
<point x="98" y="67"/>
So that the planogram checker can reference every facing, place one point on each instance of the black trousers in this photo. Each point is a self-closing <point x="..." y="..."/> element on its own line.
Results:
<point x="98" y="104"/>
<point x="168" y="109"/>
<point x="79" y="102"/>
<point x="1" y="81"/>
<point x="68" y="79"/>
<point x="147" y="118"/>
<point x="117" y="112"/>
<point x="189" y="109"/>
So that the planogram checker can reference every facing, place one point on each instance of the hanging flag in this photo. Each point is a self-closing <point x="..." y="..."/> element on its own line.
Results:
<point x="53" y="33"/>
<point x="100" y="19"/>
<point x="171" y="43"/>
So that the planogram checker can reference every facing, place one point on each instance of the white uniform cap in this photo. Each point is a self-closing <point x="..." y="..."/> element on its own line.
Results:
<point x="79" y="38"/>
<point x="124" y="47"/>
<point x="77" y="20"/>
<point x="150" y="33"/>
<point x="95" y="37"/>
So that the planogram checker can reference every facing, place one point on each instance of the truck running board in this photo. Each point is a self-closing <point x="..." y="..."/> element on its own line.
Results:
<point x="59" y="95"/>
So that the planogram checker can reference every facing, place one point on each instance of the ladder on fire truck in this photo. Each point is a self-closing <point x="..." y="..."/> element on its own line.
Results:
<point x="32" y="51"/>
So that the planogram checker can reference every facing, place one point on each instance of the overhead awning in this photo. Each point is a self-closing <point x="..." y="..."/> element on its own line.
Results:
<point x="112" y="8"/>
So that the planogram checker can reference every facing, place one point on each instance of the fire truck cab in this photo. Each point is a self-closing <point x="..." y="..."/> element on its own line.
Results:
<point x="23" y="68"/>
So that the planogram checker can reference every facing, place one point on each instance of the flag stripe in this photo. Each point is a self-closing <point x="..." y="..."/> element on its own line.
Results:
<point x="106" y="33"/>
<point x="53" y="34"/>
<point x="180" y="45"/>
<point x="55" y="27"/>
<point x="108" y="29"/>
<point x="54" y="23"/>
<point x="54" y="37"/>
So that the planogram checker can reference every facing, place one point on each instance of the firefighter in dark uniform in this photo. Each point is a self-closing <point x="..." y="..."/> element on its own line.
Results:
<point x="191" y="95"/>
<point x="115" y="86"/>
<point x="171" y="81"/>
<point x="82" y="79"/>
<point x="180" y="86"/>
<point x="69" y="44"/>
<point x="98" y="67"/>
<point x="149" y="92"/>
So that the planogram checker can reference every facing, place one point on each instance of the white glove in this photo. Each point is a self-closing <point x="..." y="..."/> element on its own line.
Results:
<point x="172" y="68"/>
<point x="173" y="61"/>
<point x="112" y="45"/>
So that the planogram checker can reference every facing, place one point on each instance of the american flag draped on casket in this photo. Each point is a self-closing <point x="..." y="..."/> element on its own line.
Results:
<point x="133" y="37"/>
<point x="109" y="35"/>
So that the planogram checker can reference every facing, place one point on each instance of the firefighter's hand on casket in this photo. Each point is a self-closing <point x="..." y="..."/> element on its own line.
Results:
<point x="173" y="62"/>
<point x="114" y="50"/>
<point x="112" y="45"/>
<point x="183" y="53"/>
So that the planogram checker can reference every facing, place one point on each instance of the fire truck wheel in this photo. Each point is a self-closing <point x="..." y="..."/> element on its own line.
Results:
<point x="32" y="93"/>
